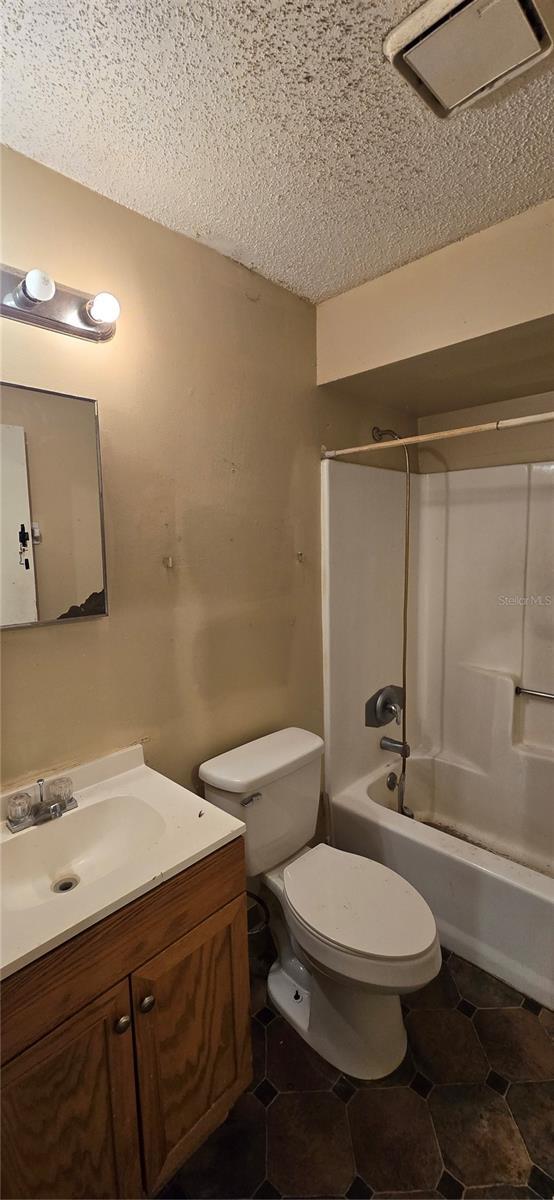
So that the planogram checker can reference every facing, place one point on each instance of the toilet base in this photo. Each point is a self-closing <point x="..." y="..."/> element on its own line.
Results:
<point x="359" y="1031"/>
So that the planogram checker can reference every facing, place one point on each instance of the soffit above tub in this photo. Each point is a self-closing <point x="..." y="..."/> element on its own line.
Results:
<point x="518" y="361"/>
<point x="272" y="130"/>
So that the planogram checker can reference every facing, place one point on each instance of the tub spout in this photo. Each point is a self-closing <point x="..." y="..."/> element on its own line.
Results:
<point x="392" y="744"/>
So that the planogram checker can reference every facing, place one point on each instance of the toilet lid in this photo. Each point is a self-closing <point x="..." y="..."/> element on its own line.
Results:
<point x="358" y="904"/>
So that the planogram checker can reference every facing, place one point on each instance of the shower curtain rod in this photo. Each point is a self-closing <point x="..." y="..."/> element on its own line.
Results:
<point x="417" y="439"/>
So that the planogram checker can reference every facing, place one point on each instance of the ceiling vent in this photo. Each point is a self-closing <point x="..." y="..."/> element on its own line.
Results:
<point x="454" y="54"/>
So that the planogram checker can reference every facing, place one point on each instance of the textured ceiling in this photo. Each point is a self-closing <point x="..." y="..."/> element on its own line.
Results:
<point x="270" y="129"/>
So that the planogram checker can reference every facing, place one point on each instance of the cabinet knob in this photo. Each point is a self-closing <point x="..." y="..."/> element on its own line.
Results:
<point x="123" y="1024"/>
<point x="147" y="1004"/>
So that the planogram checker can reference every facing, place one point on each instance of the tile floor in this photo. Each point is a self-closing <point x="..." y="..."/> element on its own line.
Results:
<point x="470" y="1111"/>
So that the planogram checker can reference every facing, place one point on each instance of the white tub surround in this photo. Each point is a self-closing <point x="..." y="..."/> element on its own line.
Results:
<point x="132" y="829"/>
<point x="481" y="621"/>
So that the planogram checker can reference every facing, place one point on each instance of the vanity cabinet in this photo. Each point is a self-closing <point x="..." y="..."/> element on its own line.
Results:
<point x="68" y="1109"/>
<point x="190" y="1002"/>
<point x="126" y="1046"/>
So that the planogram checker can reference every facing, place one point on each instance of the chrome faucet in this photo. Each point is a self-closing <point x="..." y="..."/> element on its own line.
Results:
<point x="23" y="813"/>
<point x="394" y="746"/>
<point x="386" y="705"/>
<point x="396" y="709"/>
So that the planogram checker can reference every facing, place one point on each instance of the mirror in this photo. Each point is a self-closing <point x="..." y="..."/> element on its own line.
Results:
<point x="52" y="534"/>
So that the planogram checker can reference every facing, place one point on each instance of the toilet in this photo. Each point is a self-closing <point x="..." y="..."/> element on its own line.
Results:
<point x="351" y="934"/>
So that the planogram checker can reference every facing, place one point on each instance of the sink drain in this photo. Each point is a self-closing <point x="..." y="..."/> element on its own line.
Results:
<point x="66" y="884"/>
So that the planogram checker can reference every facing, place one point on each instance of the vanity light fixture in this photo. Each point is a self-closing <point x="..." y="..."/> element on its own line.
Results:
<point x="103" y="309"/>
<point x="36" y="299"/>
<point x="35" y="288"/>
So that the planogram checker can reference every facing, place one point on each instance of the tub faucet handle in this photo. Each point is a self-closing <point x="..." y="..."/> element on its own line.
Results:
<point x="385" y="705"/>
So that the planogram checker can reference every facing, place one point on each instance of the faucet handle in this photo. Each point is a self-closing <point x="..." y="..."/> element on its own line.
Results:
<point x="385" y="705"/>
<point x="60" y="790"/>
<point x="19" y="808"/>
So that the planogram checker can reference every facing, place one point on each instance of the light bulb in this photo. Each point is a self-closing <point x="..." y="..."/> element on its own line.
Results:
<point x="38" y="285"/>
<point x="35" y="288"/>
<point x="103" y="309"/>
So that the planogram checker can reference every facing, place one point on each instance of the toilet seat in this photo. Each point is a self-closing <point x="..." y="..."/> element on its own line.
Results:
<point x="359" y="919"/>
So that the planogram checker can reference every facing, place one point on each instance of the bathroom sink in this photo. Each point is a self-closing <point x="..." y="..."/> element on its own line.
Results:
<point x="132" y="829"/>
<point x="83" y="846"/>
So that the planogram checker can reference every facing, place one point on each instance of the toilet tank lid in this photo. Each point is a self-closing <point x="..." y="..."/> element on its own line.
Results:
<point x="249" y="766"/>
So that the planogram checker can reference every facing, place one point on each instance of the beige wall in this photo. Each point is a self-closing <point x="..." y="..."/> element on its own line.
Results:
<point x="534" y="443"/>
<point x="60" y="434"/>
<point x="210" y="431"/>
<point x="496" y="279"/>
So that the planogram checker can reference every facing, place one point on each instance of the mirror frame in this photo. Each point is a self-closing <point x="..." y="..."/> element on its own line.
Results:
<point x="24" y="387"/>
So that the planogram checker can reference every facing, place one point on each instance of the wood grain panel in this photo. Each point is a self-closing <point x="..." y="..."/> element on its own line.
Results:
<point x="193" y="1047"/>
<point x="69" y="1120"/>
<point x="86" y="966"/>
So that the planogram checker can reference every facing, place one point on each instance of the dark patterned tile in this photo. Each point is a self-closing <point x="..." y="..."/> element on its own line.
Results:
<point x="257" y="1034"/>
<point x="532" y="1005"/>
<point x="266" y="1015"/>
<point x="258" y="994"/>
<point x="421" y="1085"/>
<point x="441" y="992"/>
<point x="466" y="1008"/>
<point x="359" y="1190"/>
<point x="449" y="1187"/>
<point x="309" y="1147"/>
<point x="481" y="989"/>
<point x="172" y="1191"/>
<point x="292" y="1065"/>
<point x="516" y="1044"/>
<point x="445" y="954"/>
<point x="265" y="1092"/>
<point x="231" y="1163"/>
<point x="497" y="1083"/>
<point x="445" y="1046"/>
<point x="394" y="1143"/>
<point x="532" y="1105"/>
<point x="391" y="1137"/>
<point x="542" y="1185"/>
<point x="499" y="1191"/>
<point x="546" y="1019"/>
<point x="344" y="1089"/>
<point x="403" y="1074"/>
<point x="266" y="1191"/>
<point x="478" y="1137"/>
<point x="426" y="1195"/>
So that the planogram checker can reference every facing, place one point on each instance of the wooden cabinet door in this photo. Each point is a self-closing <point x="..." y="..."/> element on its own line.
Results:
<point x="69" y="1117"/>
<point x="193" y="1038"/>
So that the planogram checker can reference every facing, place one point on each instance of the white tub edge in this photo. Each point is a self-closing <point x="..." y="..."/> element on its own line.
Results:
<point x="494" y="912"/>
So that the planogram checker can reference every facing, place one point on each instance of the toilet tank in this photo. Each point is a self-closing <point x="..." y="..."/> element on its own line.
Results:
<point x="272" y="785"/>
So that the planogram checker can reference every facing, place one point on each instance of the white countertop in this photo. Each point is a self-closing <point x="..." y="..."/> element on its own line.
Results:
<point x="133" y="829"/>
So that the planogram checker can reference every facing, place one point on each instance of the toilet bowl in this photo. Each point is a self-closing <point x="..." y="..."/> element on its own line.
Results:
<point x="351" y="934"/>
<point x="352" y="937"/>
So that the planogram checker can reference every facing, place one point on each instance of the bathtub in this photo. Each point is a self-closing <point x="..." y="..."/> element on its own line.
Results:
<point x="497" y="913"/>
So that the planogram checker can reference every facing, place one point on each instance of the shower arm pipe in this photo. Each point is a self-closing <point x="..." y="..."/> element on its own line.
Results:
<point x="521" y="691"/>
<point x="419" y="438"/>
